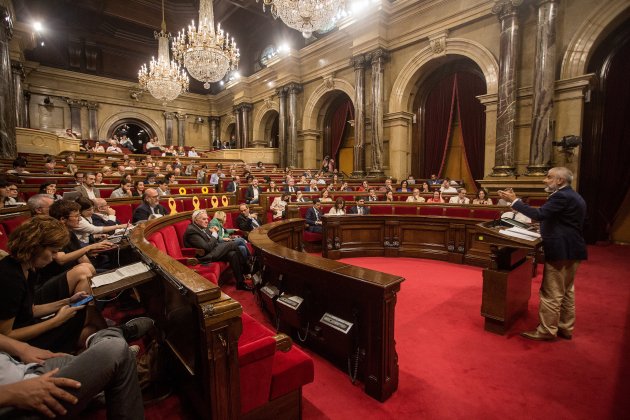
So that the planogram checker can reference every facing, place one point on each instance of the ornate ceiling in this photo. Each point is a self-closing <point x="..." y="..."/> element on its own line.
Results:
<point x="113" y="38"/>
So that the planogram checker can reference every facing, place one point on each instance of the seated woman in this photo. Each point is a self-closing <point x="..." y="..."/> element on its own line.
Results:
<point x="437" y="197"/>
<point x="415" y="198"/>
<point x="226" y="234"/>
<point x="365" y="186"/>
<point x="86" y="231"/>
<point x="404" y="186"/>
<point x="325" y="197"/>
<point x="482" y="198"/>
<point x="344" y="187"/>
<point x="279" y="206"/>
<point x="138" y="188"/>
<point x="339" y="209"/>
<point x="123" y="190"/>
<point x="23" y="305"/>
<point x="98" y="178"/>
<point x="425" y="187"/>
<point x="199" y="235"/>
<point x="389" y="197"/>
<point x="50" y="188"/>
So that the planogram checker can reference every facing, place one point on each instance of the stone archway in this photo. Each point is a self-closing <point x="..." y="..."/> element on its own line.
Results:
<point x="400" y="99"/>
<point x="601" y="22"/>
<point x="136" y="117"/>
<point x="227" y="124"/>
<point x="264" y="119"/>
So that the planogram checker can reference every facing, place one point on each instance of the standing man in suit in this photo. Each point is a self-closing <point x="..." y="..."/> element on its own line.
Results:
<point x="561" y="222"/>
<point x="150" y="207"/>
<point x="253" y="193"/>
<point x="360" y="207"/>
<point x="314" y="216"/>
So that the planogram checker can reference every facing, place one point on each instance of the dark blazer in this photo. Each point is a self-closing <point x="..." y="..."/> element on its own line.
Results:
<point x="244" y="223"/>
<point x="231" y="187"/>
<point x="249" y="194"/>
<point x="561" y="224"/>
<point x="354" y="210"/>
<point x="312" y="216"/>
<point x="142" y="212"/>
<point x="196" y="237"/>
<point x="295" y="188"/>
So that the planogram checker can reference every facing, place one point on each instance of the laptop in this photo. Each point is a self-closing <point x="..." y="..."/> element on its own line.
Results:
<point x="116" y="238"/>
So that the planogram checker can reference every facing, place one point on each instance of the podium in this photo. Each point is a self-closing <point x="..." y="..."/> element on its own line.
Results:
<point x="507" y="280"/>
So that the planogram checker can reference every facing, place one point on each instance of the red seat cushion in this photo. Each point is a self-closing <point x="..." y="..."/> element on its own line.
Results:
<point x="384" y="209"/>
<point x="457" y="212"/>
<point x="431" y="210"/>
<point x="405" y="209"/>
<point x="4" y="239"/>
<point x="487" y="214"/>
<point x="124" y="212"/>
<point x="311" y="236"/>
<point x="291" y="370"/>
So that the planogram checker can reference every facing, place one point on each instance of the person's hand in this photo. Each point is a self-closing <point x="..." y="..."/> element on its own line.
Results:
<point x="111" y="211"/>
<point x="66" y="312"/>
<point x="227" y="238"/>
<point x="254" y="215"/>
<point x="31" y="354"/>
<point x="78" y="296"/>
<point x="214" y="228"/>
<point x="100" y="246"/>
<point x="43" y="394"/>
<point x="507" y="194"/>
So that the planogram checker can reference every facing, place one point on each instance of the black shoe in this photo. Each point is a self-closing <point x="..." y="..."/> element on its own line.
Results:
<point x="244" y="286"/>
<point x="537" y="336"/>
<point x="137" y="328"/>
<point x="564" y="334"/>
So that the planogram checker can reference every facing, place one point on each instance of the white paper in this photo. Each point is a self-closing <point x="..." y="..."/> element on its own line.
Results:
<point x="121" y="273"/>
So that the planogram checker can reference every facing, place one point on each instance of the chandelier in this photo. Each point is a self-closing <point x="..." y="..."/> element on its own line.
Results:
<point x="207" y="54"/>
<point x="306" y="16"/>
<point x="163" y="78"/>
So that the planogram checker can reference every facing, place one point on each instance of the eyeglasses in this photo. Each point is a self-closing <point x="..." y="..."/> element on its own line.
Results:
<point x="74" y="216"/>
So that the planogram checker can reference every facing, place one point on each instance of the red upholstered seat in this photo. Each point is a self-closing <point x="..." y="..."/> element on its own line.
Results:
<point x="487" y="214"/>
<point x="431" y="210"/>
<point x="124" y="212"/>
<point x="382" y="209"/>
<point x="405" y="209"/>
<point x="291" y="370"/>
<point x="311" y="236"/>
<point x="4" y="239"/>
<point x="457" y="212"/>
<point x="11" y="224"/>
<point x="106" y="192"/>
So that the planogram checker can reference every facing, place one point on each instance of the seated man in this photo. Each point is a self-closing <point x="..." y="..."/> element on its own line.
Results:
<point x="447" y="188"/>
<point x="233" y="185"/>
<point x="246" y="221"/>
<point x="198" y="235"/>
<point x="252" y="194"/>
<point x="150" y="207"/>
<point x="460" y="198"/>
<point x="50" y="384"/>
<point x="40" y="204"/>
<point x="360" y="207"/>
<point x="216" y="177"/>
<point x="314" y="216"/>
<point x="103" y="214"/>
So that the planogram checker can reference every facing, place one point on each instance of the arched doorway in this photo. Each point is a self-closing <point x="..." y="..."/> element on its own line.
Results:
<point x="338" y="133"/>
<point x="449" y="132"/>
<point x="604" y="175"/>
<point x="231" y="135"/>
<point x="137" y="130"/>
<point x="270" y="126"/>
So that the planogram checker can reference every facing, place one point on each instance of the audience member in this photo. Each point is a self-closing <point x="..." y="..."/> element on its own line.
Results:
<point x="482" y="198"/>
<point x="252" y="195"/>
<point x="415" y="197"/>
<point x="339" y="209"/>
<point x="138" y="188"/>
<point x="103" y="214"/>
<point x="246" y="221"/>
<point x="87" y="231"/>
<point x="360" y="207"/>
<point x="150" y="207"/>
<point x="40" y="204"/>
<point x="87" y="189"/>
<point x="279" y="206"/>
<point x="437" y="197"/>
<point x="404" y="186"/>
<point x="325" y="197"/>
<point x="123" y="190"/>
<point x="460" y="198"/>
<point x="314" y="216"/>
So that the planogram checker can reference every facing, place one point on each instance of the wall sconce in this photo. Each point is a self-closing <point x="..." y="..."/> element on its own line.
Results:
<point x="567" y="144"/>
<point x="48" y="101"/>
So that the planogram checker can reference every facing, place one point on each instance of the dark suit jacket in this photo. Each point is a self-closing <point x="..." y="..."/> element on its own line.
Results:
<point x="232" y="186"/>
<point x="561" y="223"/>
<point x="311" y="216"/>
<point x="196" y="237"/>
<point x="244" y="223"/>
<point x="354" y="210"/>
<point x="142" y="212"/>
<point x="295" y="189"/>
<point x="249" y="194"/>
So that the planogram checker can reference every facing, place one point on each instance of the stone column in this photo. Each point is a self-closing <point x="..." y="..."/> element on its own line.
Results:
<point x="18" y="77"/>
<point x="238" y="130"/>
<point x="507" y="11"/>
<point x="541" y="147"/>
<point x="92" y="119"/>
<point x="309" y="156"/>
<point x="358" y="164"/>
<point x="245" y="116"/>
<point x="282" y="126"/>
<point x="181" y="129"/>
<point x="377" y="58"/>
<point x="293" y="90"/>
<point x="8" y="145"/>
<point x="214" y="130"/>
<point x="27" y="112"/>
<point x="75" y="116"/>
<point x="168" y="125"/>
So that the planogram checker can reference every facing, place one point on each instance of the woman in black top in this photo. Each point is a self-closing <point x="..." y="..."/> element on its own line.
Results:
<point x="32" y="246"/>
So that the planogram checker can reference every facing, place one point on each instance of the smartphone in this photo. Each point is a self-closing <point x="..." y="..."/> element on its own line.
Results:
<point x="83" y="301"/>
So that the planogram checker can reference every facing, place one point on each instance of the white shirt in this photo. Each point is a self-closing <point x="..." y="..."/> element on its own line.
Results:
<point x="457" y="200"/>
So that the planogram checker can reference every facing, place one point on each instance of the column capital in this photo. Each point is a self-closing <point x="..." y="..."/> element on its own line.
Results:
<point x="245" y="106"/>
<point x="213" y="118"/>
<point x="506" y="8"/>
<point x="17" y="68"/>
<point x="92" y="105"/>
<point x="358" y="62"/>
<point x="7" y="21"/>
<point x="169" y="115"/>
<point x="281" y="92"/>
<point x="539" y="3"/>
<point x="181" y="116"/>
<point x="75" y="103"/>
<point x="377" y="55"/>
<point x="294" y="88"/>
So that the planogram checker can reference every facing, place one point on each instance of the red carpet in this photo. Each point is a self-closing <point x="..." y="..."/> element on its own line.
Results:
<point x="451" y="368"/>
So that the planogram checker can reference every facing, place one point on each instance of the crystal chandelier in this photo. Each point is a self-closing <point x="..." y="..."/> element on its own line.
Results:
<point x="207" y="54"/>
<point x="163" y="78"/>
<point x="306" y="16"/>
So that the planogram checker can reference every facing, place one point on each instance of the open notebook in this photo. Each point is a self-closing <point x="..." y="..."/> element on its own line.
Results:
<point x="119" y="274"/>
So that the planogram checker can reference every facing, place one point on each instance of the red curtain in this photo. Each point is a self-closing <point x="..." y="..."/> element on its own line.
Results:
<point x="340" y="118"/>
<point x="472" y="120"/>
<point x="438" y="119"/>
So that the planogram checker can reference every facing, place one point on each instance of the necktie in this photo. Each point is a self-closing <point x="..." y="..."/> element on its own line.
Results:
<point x="360" y="210"/>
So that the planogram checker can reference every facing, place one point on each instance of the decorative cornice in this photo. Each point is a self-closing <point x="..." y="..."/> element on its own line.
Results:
<point x="294" y="88"/>
<point x="329" y="81"/>
<point x="358" y="62"/>
<point x="379" y="54"/>
<point x="437" y="43"/>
